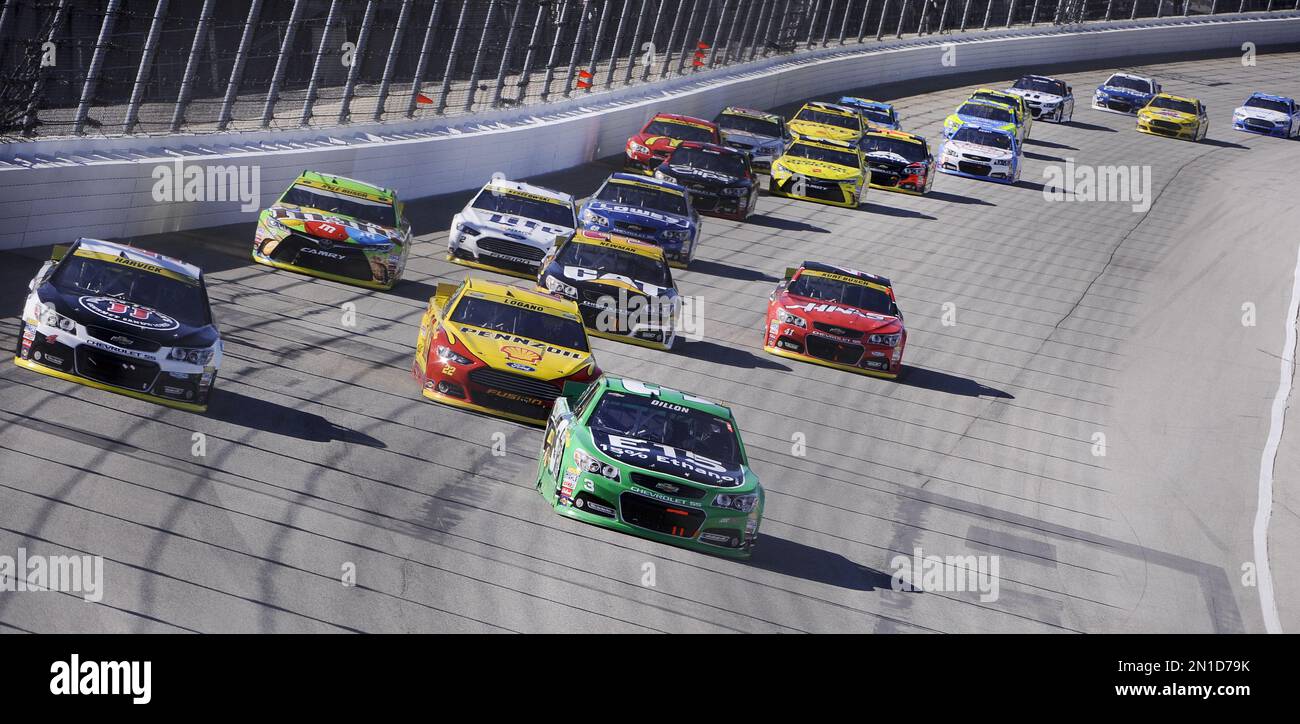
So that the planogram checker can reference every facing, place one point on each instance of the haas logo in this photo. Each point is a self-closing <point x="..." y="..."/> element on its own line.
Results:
<point x="128" y="313"/>
<point x="521" y="354"/>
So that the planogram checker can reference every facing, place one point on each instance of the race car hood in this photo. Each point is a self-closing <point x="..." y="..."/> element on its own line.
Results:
<point x="889" y="157"/>
<point x="1262" y="114"/>
<point x="965" y="147"/>
<point x="691" y="174"/>
<point x="1128" y="93"/>
<point x="819" y="169"/>
<point x="518" y="228"/>
<point x="983" y="123"/>
<point x="134" y="321"/>
<point x="637" y="215"/>
<point x="823" y="130"/>
<point x="1167" y="114"/>
<point x="1044" y="98"/>
<point x="840" y="315"/>
<point x="609" y="283"/>
<point x="668" y="460"/>
<point x="337" y="228"/>
<point x="520" y="355"/>
<point x="658" y="144"/>
<point x="763" y="145"/>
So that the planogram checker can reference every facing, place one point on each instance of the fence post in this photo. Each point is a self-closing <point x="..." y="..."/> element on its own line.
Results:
<point x="943" y="16"/>
<point x="965" y="15"/>
<point x="902" y="13"/>
<point x="595" y="41"/>
<point x="1110" y="5"/>
<point x="731" y="33"/>
<point x="988" y="15"/>
<point x="672" y="38"/>
<point x="475" y="72"/>
<point x="812" y="24"/>
<point x="555" y="49"/>
<point x="422" y="63"/>
<point x="96" y="65"/>
<point x="765" y="38"/>
<point x="505" y="54"/>
<point x="717" y="31"/>
<point x="6" y="15"/>
<point x="281" y="63"/>
<point x="880" y="27"/>
<point x="862" y="24"/>
<point x="385" y="82"/>
<point x="1033" y="14"/>
<point x="536" y="37"/>
<point x="350" y="86"/>
<point x="313" y="86"/>
<point x="452" y="56"/>
<point x="1011" y="12"/>
<point x="577" y="46"/>
<point x="925" y="12"/>
<point x="636" y="43"/>
<point x="654" y="32"/>
<point x="613" y="51"/>
<point x="191" y="66"/>
<point x="237" y="72"/>
<point x="146" y="64"/>
<point x="744" y="30"/>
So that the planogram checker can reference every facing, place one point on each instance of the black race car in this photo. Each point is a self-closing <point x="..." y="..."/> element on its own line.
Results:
<point x="720" y="179"/>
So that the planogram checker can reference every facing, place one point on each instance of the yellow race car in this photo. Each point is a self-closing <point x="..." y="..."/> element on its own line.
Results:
<point x="502" y="350"/>
<point x="822" y="170"/>
<point x="827" y="120"/>
<point x="1174" y="116"/>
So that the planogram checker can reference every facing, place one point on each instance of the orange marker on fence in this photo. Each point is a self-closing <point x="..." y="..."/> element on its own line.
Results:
<point x="584" y="79"/>
<point x="700" y="54"/>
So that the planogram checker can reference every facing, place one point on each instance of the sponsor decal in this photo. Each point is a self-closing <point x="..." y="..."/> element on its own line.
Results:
<point x="666" y="458"/>
<point x="516" y="397"/>
<point x="127" y="313"/>
<point x="521" y="367"/>
<point x="507" y="337"/>
<point x="521" y="354"/>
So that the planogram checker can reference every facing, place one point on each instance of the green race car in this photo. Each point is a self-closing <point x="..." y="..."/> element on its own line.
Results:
<point x="653" y="462"/>
<point x="336" y="228"/>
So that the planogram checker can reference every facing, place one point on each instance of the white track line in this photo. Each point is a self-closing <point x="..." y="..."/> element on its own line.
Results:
<point x="1264" y="507"/>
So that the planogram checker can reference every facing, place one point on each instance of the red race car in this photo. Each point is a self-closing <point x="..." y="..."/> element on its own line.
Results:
<point x="647" y="150"/>
<point x="836" y="317"/>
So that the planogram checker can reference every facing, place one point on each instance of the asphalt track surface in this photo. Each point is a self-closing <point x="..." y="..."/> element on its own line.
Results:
<point x="1072" y="319"/>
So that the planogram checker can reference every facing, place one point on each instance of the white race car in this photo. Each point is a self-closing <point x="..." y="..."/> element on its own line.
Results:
<point x="1125" y="93"/>
<point x="1049" y="99"/>
<point x="509" y="226"/>
<point x="1268" y="114"/>
<point x="983" y="153"/>
<point x="125" y="320"/>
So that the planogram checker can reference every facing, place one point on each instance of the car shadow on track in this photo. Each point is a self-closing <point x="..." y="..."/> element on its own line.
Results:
<point x="943" y="382"/>
<point x="872" y="207"/>
<point x="776" y="222"/>
<point x="1223" y="144"/>
<point x="1091" y="127"/>
<point x="1050" y="144"/>
<point x="729" y="356"/>
<point x="797" y="560"/>
<point x="1042" y="157"/>
<point x="267" y="416"/>
<point x="957" y="198"/>
<point x="728" y="271"/>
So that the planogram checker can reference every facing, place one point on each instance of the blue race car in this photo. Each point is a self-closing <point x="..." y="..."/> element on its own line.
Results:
<point x="1269" y="115"/>
<point x="877" y="115"/>
<point x="1125" y="93"/>
<point x="647" y="209"/>
<point x="992" y="154"/>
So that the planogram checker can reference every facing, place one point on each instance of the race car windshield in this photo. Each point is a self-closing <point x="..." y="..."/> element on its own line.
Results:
<point x="680" y="131"/>
<point x="375" y="212"/>
<point x="982" y="137"/>
<point x="606" y="260"/>
<point x="846" y="293"/>
<point x="507" y="203"/>
<point x="987" y="112"/>
<point x="876" y="116"/>
<point x="812" y="115"/>
<point x="184" y="301"/>
<point x="643" y="197"/>
<point x="1267" y="104"/>
<point x="909" y="150"/>
<point x="825" y="155"/>
<point x="1173" y="105"/>
<point x="681" y="428"/>
<point x="994" y="98"/>
<point x="1040" y="85"/>
<point x="543" y="327"/>
<point x="749" y="124"/>
<point x="1120" y="81"/>
<point x="728" y="164"/>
